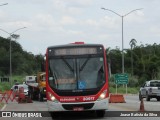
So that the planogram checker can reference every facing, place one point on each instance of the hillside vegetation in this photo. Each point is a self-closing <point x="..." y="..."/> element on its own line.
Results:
<point x="23" y="62"/>
<point x="142" y="63"/>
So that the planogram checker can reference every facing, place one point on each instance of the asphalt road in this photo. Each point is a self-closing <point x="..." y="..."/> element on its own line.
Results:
<point x="132" y="104"/>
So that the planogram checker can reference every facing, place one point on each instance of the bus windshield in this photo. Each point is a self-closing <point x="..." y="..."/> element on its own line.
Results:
<point x="76" y="73"/>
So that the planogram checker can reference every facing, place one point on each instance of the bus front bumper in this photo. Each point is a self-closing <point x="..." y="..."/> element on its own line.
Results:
<point x="78" y="106"/>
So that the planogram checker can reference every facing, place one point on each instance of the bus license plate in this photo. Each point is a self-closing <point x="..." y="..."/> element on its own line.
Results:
<point x="78" y="109"/>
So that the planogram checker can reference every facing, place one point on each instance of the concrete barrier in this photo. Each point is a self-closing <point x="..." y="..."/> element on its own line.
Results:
<point x="115" y="98"/>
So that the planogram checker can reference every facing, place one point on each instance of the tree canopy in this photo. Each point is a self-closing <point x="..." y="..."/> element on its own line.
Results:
<point x="145" y="59"/>
<point x="23" y="62"/>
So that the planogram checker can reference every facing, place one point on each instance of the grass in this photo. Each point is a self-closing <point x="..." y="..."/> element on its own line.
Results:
<point x="7" y="85"/>
<point x="122" y="90"/>
<point x="17" y="78"/>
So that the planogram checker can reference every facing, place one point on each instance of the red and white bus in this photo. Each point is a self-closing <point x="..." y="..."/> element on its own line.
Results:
<point x="77" y="78"/>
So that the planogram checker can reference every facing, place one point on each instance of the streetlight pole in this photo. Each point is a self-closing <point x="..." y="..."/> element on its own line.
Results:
<point x="4" y="4"/>
<point x="10" y="50"/>
<point x="122" y="16"/>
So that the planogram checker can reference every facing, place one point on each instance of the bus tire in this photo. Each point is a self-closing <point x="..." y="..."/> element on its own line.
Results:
<point x="158" y="98"/>
<point x="54" y="114"/>
<point x="40" y="97"/>
<point x="100" y="113"/>
<point x="31" y="95"/>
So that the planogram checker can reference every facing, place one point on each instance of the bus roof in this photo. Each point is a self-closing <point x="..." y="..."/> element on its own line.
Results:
<point x="75" y="45"/>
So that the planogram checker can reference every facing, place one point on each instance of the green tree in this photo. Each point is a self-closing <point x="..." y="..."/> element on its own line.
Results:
<point x="132" y="44"/>
<point x="114" y="56"/>
<point x="23" y="62"/>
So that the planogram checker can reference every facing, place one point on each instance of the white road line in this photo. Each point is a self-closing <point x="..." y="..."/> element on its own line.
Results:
<point x="3" y="107"/>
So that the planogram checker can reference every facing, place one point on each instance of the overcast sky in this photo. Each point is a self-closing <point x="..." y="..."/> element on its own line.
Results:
<point x="56" y="22"/>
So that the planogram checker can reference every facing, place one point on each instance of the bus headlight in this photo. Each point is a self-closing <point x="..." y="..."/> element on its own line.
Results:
<point x="102" y="95"/>
<point x="52" y="98"/>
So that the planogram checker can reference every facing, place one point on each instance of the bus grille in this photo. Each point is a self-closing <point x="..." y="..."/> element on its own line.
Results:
<point x="72" y="106"/>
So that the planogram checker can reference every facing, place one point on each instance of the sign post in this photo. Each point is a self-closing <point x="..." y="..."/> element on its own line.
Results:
<point x="121" y="79"/>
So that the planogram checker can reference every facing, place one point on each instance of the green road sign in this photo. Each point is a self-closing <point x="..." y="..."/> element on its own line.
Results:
<point x="121" y="78"/>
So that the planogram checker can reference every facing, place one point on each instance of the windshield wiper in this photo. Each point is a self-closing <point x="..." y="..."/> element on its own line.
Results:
<point x="84" y="64"/>
<point x="68" y="65"/>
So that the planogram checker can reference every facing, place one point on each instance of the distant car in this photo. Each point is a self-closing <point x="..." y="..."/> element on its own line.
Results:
<point x="17" y="87"/>
<point x="150" y="89"/>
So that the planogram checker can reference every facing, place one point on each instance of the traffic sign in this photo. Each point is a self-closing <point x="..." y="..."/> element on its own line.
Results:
<point x="121" y="78"/>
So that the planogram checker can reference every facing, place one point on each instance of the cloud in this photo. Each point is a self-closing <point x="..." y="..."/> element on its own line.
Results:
<point x="53" y="22"/>
<point x="102" y="23"/>
<point x="135" y="17"/>
<point x="67" y="20"/>
<point x="44" y="20"/>
<point x="155" y="30"/>
<point x="45" y="23"/>
<point x="71" y="3"/>
<point x="109" y="22"/>
<point x="27" y="1"/>
<point x="70" y="7"/>
<point x="80" y="3"/>
<point x="18" y="24"/>
<point x="92" y="22"/>
<point x="3" y="16"/>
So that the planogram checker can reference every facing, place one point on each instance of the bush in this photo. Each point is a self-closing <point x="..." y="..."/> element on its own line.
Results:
<point x="133" y="81"/>
<point x="5" y="86"/>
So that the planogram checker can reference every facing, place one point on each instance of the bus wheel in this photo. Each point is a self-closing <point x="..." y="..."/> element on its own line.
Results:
<point x="158" y="98"/>
<point x="100" y="113"/>
<point x="54" y="114"/>
<point x="30" y="95"/>
<point x="40" y="97"/>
